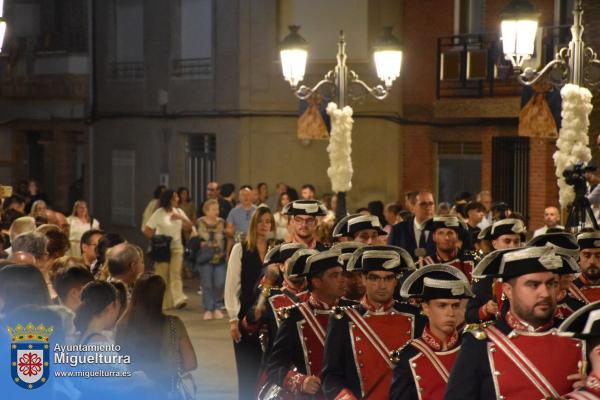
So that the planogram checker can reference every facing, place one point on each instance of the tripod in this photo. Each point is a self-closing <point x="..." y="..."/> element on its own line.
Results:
<point x="580" y="212"/>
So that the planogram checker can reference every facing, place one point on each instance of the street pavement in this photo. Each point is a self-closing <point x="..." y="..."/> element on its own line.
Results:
<point x="216" y="374"/>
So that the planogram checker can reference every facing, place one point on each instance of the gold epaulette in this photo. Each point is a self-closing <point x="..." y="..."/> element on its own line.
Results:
<point x="477" y="330"/>
<point x="338" y="311"/>
<point x="284" y="312"/>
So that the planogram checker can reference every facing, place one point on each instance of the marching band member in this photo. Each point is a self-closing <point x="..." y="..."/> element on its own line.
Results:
<point x="585" y="324"/>
<point x="506" y="233"/>
<point x="297" y="353"/>
<point x="446" y="232"/>
<point x="509" y="358"/>
<point x="587" y="285"/>
<point x="360" y="339"/>
<point x="423" y="364"/>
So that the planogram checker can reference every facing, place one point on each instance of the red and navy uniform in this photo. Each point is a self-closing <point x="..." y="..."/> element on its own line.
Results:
<point x="591" y="390"/>
<point x="298" y="348"/>
<point x="279" y="298"/>
<point x="485" y="289"/>
<point x="464" y="262"/>
<point x="509" y="359"/>
<point x="359" y="345"/>
<point x="423" y="367"/>
<point x="566" y="305"/>
<point x="584" y="290"/>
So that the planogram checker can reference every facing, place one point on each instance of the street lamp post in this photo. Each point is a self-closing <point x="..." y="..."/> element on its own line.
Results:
<point x="573" y="65"/>
<point x="574" y="62"/>
<point x="294" y="54"/>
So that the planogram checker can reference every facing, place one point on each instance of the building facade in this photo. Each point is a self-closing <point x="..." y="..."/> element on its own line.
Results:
<point x="187" y="91"/>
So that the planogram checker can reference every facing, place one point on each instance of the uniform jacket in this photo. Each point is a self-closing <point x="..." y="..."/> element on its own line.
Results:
<point x="359" y="346"/>
<point x="422" y="368"/>
<point x="484" y="369"/>
<point x="297" y="351"/>
<point x="585" y="291"/>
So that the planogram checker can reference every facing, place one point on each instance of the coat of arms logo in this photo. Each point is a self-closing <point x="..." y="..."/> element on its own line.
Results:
<point x="30" y="355"/>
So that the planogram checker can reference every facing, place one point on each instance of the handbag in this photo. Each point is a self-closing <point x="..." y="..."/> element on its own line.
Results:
<point x="160" y="248"/>
<point x="191" y="249"/>
<point x="183" y="386"/>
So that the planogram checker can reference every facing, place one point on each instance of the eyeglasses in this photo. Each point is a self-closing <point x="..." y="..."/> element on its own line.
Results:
<point x="385" y="279"/>
<point x="426" y="204"/>
<point x="307" y="221"/>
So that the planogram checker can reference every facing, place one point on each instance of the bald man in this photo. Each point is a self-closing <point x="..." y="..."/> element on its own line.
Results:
<point x="551" y="219"/>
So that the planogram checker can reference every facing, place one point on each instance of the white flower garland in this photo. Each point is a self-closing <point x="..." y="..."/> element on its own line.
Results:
<point x="573" y="139"/>
<point x="340" y="148"/>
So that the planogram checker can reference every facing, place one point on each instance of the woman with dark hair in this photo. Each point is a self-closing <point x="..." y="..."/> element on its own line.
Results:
<point x="169" y="220"/>
<point x="186" y="203"/>
<point x="98" y="312"/>
<point x="152" y="204"/>
<point x="121" y="296"/>
<point x="243" y="272"/>
<point x="159" y="344"/>
<point x="22" y="285"/>
<point x="107" y="241"/>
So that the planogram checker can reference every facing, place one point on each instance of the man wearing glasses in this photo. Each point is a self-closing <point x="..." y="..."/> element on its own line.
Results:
<point x="411" y="233"/>
<point x="213" y="193"/>
<point x="360" y="339"/>
<point x="303" y="219"/>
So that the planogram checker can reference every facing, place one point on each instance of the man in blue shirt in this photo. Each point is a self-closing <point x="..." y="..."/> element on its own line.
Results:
<point x="239" y="217"/>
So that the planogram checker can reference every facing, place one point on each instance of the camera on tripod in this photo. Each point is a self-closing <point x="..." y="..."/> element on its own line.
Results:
<point x="575" y="176"/>
<point x="581" y="215"/>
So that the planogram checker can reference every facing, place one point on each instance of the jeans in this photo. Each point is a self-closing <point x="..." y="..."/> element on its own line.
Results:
<point x="212" y="278"/>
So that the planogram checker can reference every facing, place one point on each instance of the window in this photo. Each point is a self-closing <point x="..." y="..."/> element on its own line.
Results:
<point x="459" y="169"/>
<point x="195" y="60"/>
<point x="201" y="163"/>
<point x="122" y="187"/>
<point x="321" y="22"/>
<point x="129" y="40"/>
<point x="469" y="16"/>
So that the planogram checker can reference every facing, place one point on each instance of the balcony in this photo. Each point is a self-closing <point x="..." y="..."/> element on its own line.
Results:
<point x="192" y="68"/>
<point x="473" y="65"/>
<point x="474" y="80"/>
<point x="45" y="67"/>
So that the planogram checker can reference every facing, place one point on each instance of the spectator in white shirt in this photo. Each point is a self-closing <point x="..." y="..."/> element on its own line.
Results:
<point x="485" y="197"/>
<point x="551" y="219"/>
<point x="80" y="222"/>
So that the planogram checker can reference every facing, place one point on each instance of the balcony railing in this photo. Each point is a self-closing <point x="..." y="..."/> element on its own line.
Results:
<point x="473" y="65"/>
<point x="193" y="68"/>
<point x="126" y="70"/>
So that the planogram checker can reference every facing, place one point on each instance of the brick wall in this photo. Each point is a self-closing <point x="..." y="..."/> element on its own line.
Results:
<point x="418" y="158"/>
<point x="543" y="190"/>
<point x="421" y="28"/>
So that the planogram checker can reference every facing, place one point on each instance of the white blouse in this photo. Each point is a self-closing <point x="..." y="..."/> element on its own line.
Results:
<point x="233" y="282"/>
<point x="162" y="224"/>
